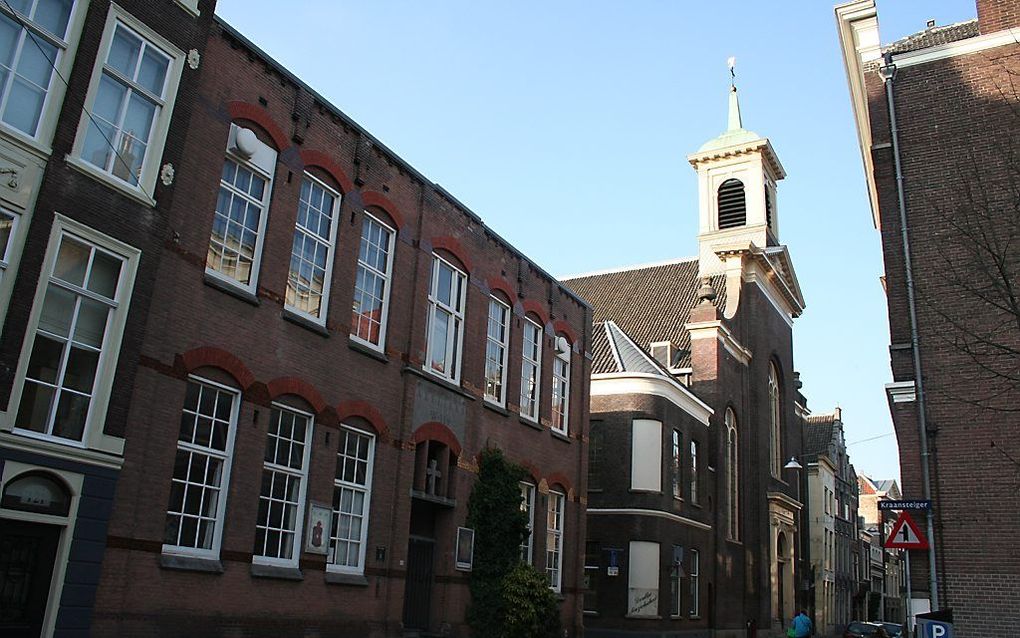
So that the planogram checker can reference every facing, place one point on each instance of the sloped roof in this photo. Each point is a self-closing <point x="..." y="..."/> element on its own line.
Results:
<point x="615" y="351"/>
<point x="817" y="435"/>
<point x="649" y="303"/>
<point x="934" y="37"/>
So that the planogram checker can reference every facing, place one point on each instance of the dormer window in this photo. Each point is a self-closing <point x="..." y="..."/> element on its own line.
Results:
<point x="732" y="205"/>
<point x="662" y="351"/>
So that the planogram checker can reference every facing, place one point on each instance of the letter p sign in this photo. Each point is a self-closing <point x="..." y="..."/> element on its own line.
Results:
<point x="938" y="631"/>
<point x="934" y="629"/>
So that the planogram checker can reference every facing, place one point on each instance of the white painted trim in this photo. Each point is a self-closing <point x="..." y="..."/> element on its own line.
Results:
<point x="609" y="271"/>
<point x="387" y="283"/>
<point x="47" y="447"/>
<point x="93" y="436"/>
<point x="330" y="253"/>
<point x="612" y="346"/>
<point x="634" y="511"/>
<point x="366" y="521"/>
<point x="538" y="369"/>
<point x="901" y="391"/>
<point x="618" y="383"/>
<point x="505" y="345"/>
<point x="716" y="328"/>
<point x="960" y="47"/>
<point x="160" y="126"/>
<point x="784" y="313"/>
<point x="453" y="375"/>
<point x="74" y="481"/>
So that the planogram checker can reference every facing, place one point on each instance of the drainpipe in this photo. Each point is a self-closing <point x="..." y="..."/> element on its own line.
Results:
<point x="888" y="73"/>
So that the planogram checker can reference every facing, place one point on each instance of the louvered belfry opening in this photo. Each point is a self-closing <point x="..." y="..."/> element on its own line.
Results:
<point x="768" y="207"/>
<point x="732" y="204"/>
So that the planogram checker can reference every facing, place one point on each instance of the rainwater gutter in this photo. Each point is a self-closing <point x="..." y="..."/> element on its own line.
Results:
<point x="888" y="74"/>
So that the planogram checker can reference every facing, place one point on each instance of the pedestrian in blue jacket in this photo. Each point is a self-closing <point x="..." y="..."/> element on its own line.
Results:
<point x="802" y="625"/>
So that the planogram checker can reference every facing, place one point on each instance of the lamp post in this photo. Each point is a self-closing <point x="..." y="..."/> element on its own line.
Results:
<point x="802" y="602"/>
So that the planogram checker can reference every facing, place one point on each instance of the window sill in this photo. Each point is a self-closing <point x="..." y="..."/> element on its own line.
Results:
<point x="556" y="434"/>
<point x="190" y="563"/>
<point x="368" y="351"/>
<point x="233" y="290"/>
<point x="532" y="424"/>
<point x="134" y="192"/>
<point x="593" y="614"/>
<point x="338" y="578"/>
<point x="495" y="407"/>
<point x="304" y="322"/>
<point x="635" y="617"/>
<point x="280" y="572"/>
<point x="440" y="381"/>
<point x="694" y="617"/>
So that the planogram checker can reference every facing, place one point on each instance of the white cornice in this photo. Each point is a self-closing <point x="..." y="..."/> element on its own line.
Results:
<point x="56" y="450"/>
<point x="762" y="145"/>
<point x="901" y="391"/>
<point x="716" y="328"/>
<point x="960" y="47"/>
<point x="618" y="383"/>
<point x="653" y="513"/>
<point x="785" y="500"/>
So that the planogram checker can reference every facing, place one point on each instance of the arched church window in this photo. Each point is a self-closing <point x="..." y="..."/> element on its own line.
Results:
<point x="732" y="476"/>
<point x="732" y="204"/>
<point x="775" y="427"/>
<point x="37" y="492"/>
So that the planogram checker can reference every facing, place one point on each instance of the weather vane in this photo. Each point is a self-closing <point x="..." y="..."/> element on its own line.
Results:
<point x="732" y="63"/>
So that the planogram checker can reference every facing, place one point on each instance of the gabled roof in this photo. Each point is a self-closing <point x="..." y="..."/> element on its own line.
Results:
<point x="817" y="434"/>
<point x="934" y="37"/>
<point x="649" y="303"/>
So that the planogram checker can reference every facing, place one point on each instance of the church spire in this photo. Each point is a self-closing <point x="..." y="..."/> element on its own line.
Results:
<point x="734" y="121"/>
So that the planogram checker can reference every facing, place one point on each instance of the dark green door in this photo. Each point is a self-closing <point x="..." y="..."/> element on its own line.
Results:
<point x="27" y="552"/>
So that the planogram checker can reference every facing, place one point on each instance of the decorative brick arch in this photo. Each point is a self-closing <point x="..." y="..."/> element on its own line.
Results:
<point x="372" y="198"/>
<point x="310" y="157"/>
<point x="246" y="111"/>
<point x="558" y="478"/>
<point x="562" y="326"/>
<point x="532" y="306"/>
<point x="364" y="410"/>
<point x="435" y="431"/>
<point x="533" y="472"/>
<point x="298" y="387"/>
<point x="452" y="246"/>
<point x="502" y="285"/>
<point x="218" y="358"/>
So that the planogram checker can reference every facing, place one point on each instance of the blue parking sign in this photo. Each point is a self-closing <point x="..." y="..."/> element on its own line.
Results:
<point x="935" y="629"/>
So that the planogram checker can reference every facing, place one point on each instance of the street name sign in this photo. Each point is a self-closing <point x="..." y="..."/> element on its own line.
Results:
<point x="906" y="534"/>
<point x="904" y="505"/>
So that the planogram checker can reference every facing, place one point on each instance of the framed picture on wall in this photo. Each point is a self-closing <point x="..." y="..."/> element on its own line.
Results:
<point x="465" y="548"/>
<point x="320" y="516"/>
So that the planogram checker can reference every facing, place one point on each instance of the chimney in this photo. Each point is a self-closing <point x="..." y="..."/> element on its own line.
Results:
<point x="996" y="15"/>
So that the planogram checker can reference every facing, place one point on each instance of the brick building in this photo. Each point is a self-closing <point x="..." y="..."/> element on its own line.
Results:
<point x="940" y="166"/>
<point x="320" y="342"/>
<point x="95" y="98"/>
<point x="694" y="527"/>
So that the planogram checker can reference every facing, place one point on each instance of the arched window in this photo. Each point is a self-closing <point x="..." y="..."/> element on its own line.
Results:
<point x="775" y="428"/>
<point x="731" y="204"/>
<point x="732" y="476"/>
<point x="38" y="493"/>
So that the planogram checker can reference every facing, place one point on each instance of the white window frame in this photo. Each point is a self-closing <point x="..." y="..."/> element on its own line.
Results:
<point x="557" y="508"/>
<point x="367" y="507"/>
<point x="263" y="164"/>
<point x="669" y="352"/>
<point x="561" y="388"/>
<point x="67" y="49"/>
<point x="226" y="456"/>
<point x="387" y="278"/>
<point x="330" y="244"/>
<point x="694" y="471"/>
<point x="677" y="464"/>
<point x="693" y="575"/>
<point x="528" y="507"/>
<point x="6" y="252"/>
<point x="143" y="192"/>
<point x="534" y="359"/>
<point x="504" y="348"/>
<point x="93" y="436"/>
<point x="455" y="332"/>
<point x="302" y="475"/>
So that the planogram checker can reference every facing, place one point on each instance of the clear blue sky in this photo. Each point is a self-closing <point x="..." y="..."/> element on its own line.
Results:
<point x="566" y="125"/>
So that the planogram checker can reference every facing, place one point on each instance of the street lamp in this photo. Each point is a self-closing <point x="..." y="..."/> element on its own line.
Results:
<point x="794" y="464"/>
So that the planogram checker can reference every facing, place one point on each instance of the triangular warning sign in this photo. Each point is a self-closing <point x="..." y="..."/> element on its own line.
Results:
<point x="906" y="534"/>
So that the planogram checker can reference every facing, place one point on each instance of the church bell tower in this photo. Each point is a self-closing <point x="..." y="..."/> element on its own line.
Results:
<point x="737" y="176"/>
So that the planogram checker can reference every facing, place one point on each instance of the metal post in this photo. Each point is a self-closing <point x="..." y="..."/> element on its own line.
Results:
<point x="906" y="558"/>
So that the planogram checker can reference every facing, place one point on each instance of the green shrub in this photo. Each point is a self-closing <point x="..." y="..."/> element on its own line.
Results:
<point x="530" y="606"/>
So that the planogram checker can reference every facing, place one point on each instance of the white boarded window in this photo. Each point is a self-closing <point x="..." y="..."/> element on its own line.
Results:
<point x="528" y="507"/>
<point x="496" y="342"/>
<point x="643" y="579"/>
<point x="646" y="455"/>
<point x="311" y="257"/>
<point x="531" y="369"/>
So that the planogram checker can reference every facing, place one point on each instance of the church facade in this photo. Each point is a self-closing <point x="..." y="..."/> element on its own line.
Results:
<point x="695" y="526"/>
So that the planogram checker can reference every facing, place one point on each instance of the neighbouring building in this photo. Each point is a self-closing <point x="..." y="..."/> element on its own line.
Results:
<point x="95" y="99"/>
<point x="832" y="520"/>
<point x="694" y="517"/>
<point x="887" y="602"/>
<point x="936" y="116"/>
<point x="250" y="355"/>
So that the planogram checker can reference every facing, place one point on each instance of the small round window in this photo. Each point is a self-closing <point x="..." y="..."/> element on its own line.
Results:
<point x="36" y="492"/>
